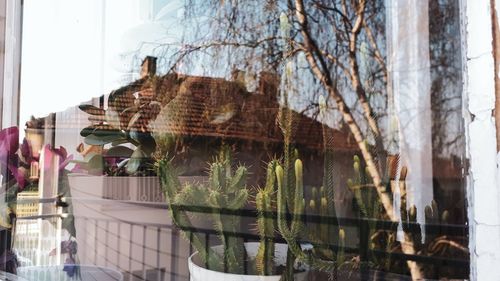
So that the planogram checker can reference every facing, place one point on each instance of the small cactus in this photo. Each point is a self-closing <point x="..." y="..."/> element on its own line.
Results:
<point x="432" y="216"/>
<point x="445" y="217"/>
<point x="340" y="253"/>
<point x="291" y="202"/>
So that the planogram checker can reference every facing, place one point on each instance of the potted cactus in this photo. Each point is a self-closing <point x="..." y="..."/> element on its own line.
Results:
<point x="226" y="189"/>
<point x="432" y="245"/>
<point x="291" y="209"/>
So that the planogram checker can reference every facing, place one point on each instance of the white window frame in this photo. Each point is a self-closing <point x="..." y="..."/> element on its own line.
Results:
<point x="479" y="103"/>
<point x="483" y="187"/>
<point x="11" y="63"/>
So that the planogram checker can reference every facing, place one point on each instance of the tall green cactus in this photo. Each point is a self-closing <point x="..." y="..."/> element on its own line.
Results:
<point x="173" y="192"/>
<point x="362" y="188"/>
<point x="225" y="189"/>
<point x="327" y="200"/>
<point x="291" y="203"/>
<point x="368" y="206"/>
<point x="434" y="216"/>
<point x="266" y="224"/>
<point x="290" y="231"/>
<point x="322" y="233"/>
<point x="289" y="175"/>
<point x="285" y="202"/>
<point x="341" y="253"/>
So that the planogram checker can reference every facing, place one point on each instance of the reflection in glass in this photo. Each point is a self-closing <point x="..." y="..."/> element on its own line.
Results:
<point x="306" y="139"/>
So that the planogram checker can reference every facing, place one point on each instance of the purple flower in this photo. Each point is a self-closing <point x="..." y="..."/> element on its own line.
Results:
<point x="20" y="174"/>
<point x="69" y="266"/>
<point x="50" y="153"/>
<point x="9" y="143"/>
<point x="27" y="152"/>
<point x="70" y="248"/>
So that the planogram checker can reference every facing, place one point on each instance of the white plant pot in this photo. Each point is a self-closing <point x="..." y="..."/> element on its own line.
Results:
<point x="199" y="273"/>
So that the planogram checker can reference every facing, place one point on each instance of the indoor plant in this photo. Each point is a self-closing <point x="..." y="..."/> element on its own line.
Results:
<point x="116" y="165"/>
<point x="119" y="143"/>
<point x="124" y="124"/>
<point x="19" y="172"/>
<point x="431" y="245"/>
<point x="226" y="190"/>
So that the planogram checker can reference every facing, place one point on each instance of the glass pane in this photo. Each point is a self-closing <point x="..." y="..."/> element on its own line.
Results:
<point x="169" y="140"/>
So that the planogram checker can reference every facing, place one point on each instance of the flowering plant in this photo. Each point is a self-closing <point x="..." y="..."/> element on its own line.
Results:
<point x="19" y="167"/>
<point x="19" y="170"/>
<point x="15" y="164"/>
<point x="69" y="248"/>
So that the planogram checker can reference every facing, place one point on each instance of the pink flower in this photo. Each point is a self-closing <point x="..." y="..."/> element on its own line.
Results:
<point x="9" y="144"/>
<point x="61" y="153"/>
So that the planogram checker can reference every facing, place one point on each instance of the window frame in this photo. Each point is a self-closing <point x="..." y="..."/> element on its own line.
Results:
<point x="481" y="109"/>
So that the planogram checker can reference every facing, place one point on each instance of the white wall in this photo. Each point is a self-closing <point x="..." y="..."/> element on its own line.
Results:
<point x="483" y="189"/>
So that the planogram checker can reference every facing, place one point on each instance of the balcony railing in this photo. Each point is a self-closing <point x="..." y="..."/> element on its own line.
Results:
<point x="154" y="252"/>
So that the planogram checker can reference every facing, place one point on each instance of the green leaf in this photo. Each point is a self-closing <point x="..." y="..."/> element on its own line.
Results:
<point x="100" y="129"/>
<point x="79" y="162"/>
<point x="92" y="110"/>
<point x="133" y="120"/>
<point x="102" y="139"/>
<point x="96" y="162"/>
<point x="130" y="110"/>
<point x="113" y="118"/>
<point x="112" y="99"/>
<point x="133" y="165"/>
<point x="135" y="160"/>
<point x="105" y="130"/>
<point x="89" y="156"/>
<point x="145" y="140"/>
<point x="119" y="151"/>
<point x="87" y="131"/>
<point x="120" y="141"/>
<point x="123" y="163"/>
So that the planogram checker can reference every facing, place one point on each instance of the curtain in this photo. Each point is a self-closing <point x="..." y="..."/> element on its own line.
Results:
<point x="410" y="99"/>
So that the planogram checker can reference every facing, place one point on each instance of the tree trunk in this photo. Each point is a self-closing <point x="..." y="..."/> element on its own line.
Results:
<point x="321" y="72"/>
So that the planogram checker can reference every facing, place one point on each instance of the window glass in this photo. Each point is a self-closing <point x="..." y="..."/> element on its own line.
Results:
<point x="169" y="140"/>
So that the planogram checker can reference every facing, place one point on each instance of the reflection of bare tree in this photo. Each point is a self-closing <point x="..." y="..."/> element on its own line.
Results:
<point x="446" y="79"/>
<point x="327" y="34"/>
<point x="254" y="41"/>
<point x="338" y="46"/>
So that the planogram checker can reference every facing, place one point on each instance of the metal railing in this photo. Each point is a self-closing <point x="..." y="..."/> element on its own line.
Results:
<point x="361" y="248"/>
<point x="154" y="252"/>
